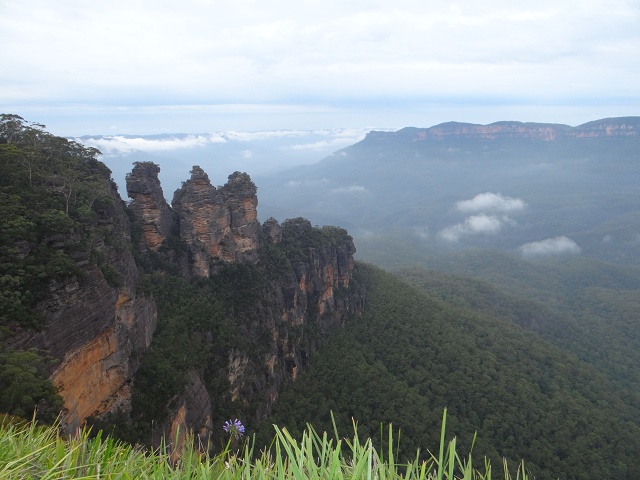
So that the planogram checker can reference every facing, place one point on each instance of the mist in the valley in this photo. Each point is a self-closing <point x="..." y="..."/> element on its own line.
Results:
<point x="531" y="199"/>
<point x="219" y="154"/>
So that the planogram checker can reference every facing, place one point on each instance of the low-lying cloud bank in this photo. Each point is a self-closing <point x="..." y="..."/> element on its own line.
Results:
<point x="350" y="189"/>
<point x="120" y="144"/>
<point x="551" y="246"/>
<point x="475" y="225"/>
<point x="328" y="139"/>
<point x="488" y="201"/>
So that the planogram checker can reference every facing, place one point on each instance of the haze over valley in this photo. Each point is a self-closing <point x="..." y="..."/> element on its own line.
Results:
<point x="532" y="190"/>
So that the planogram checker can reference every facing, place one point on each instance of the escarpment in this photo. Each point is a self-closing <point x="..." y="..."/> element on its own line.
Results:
<point x="94" y="321"/>
<point x="282" y="288"/>
<point x="157" y="318"/>
<point x="546" y="132"/>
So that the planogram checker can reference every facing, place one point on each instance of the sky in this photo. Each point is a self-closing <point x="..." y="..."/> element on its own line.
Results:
<point x="163" y="66"/>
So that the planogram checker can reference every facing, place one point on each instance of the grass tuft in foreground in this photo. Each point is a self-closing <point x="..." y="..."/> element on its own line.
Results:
<point x="31" y="452"/>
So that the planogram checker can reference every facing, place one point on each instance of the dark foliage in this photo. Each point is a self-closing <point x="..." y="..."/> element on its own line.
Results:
<point x="52" y="193"/>
<point x="25" y="388"/>
<point x="411" y="355"/>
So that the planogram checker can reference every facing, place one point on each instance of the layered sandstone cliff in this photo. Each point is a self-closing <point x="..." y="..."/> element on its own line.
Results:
<point x="272" y="292"/>
<point x="306" y="289"/>
<point x="93" y="324"/>
<point x="149" y="205"/>
<point x="218" y="225"/>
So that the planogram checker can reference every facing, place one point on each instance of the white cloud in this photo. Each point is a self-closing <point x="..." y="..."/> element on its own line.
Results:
<point x="493" y="202"/>
<point x="307" y="183"/>
<point x="320" y="145"/>
<point x="481" y="224"/>
<point x="263" y="135"/>
<point x="330" y="54"/>
<point x="336" y="139"/>
<point x="120" y="144"/>
<point x="550" y="246"/>
<point x="350" y="189"/>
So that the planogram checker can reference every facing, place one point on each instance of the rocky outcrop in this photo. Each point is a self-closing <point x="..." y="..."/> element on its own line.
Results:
<point x="273" y="230"/>
<point x="96" y="377"/>
<point x="327" y="268"/>
<point x="218" y="225"/>
<point x="310" y="291"/>
<point x="275" y="293"/>
<point x="191" y="416"/>
<point x="608" y="127"/>
<point x="149" y="205"/>
<point x="304" y="303"/>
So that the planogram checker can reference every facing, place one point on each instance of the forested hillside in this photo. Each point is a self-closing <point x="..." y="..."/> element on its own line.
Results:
<point x="583" y="306"/>
<point x="412" y="354"/>
<point x="58" y="229"/>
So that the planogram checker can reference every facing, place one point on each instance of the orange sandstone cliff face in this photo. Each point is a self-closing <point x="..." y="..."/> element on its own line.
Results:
<point x="97" y="324"/>
<point x="91" y="325"/>
<point x="95" y="377"/>
<point x="96" y="329"/>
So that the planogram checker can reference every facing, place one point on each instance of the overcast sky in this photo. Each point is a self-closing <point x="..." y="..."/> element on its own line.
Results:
<point x="152" y="66"/>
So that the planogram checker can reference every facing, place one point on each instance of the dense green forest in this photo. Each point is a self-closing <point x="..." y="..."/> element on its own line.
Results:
<point x="49" y="185"/>
<point x="52" y="195"/>
<point x="581" y="305"/>
<point x="412" y="354"/>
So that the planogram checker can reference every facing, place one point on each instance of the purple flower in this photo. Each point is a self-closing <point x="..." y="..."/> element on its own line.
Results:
<point x="234" y="428"/>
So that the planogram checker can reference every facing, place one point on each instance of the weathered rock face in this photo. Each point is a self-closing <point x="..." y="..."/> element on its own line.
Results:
<point x="193" y="415"/>
<point x="92" y="327"/>
<point x="301" y="307"/>
<point x="305" y="296"/>
<point x="149" y="205"/>
<point x="218" y="225"/>
<point x="315" y="296"/>
<point x="95" y="378"/>
<point x="273" y="230"/>
<point x="96" y="329"/>
<point x="318" y="277"/>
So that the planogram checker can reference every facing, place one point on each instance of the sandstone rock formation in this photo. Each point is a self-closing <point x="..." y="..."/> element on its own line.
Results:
<point x="149" y="205"/>
<point x="297" y="308"/>
<point x="218" y="225"/>
<point x="193" y="415"/>
<point x="272" y="293"/>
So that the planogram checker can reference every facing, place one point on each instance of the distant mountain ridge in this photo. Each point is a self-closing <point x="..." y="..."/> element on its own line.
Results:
<point x="607" y="127"/>
<point x="512" y="186"/>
